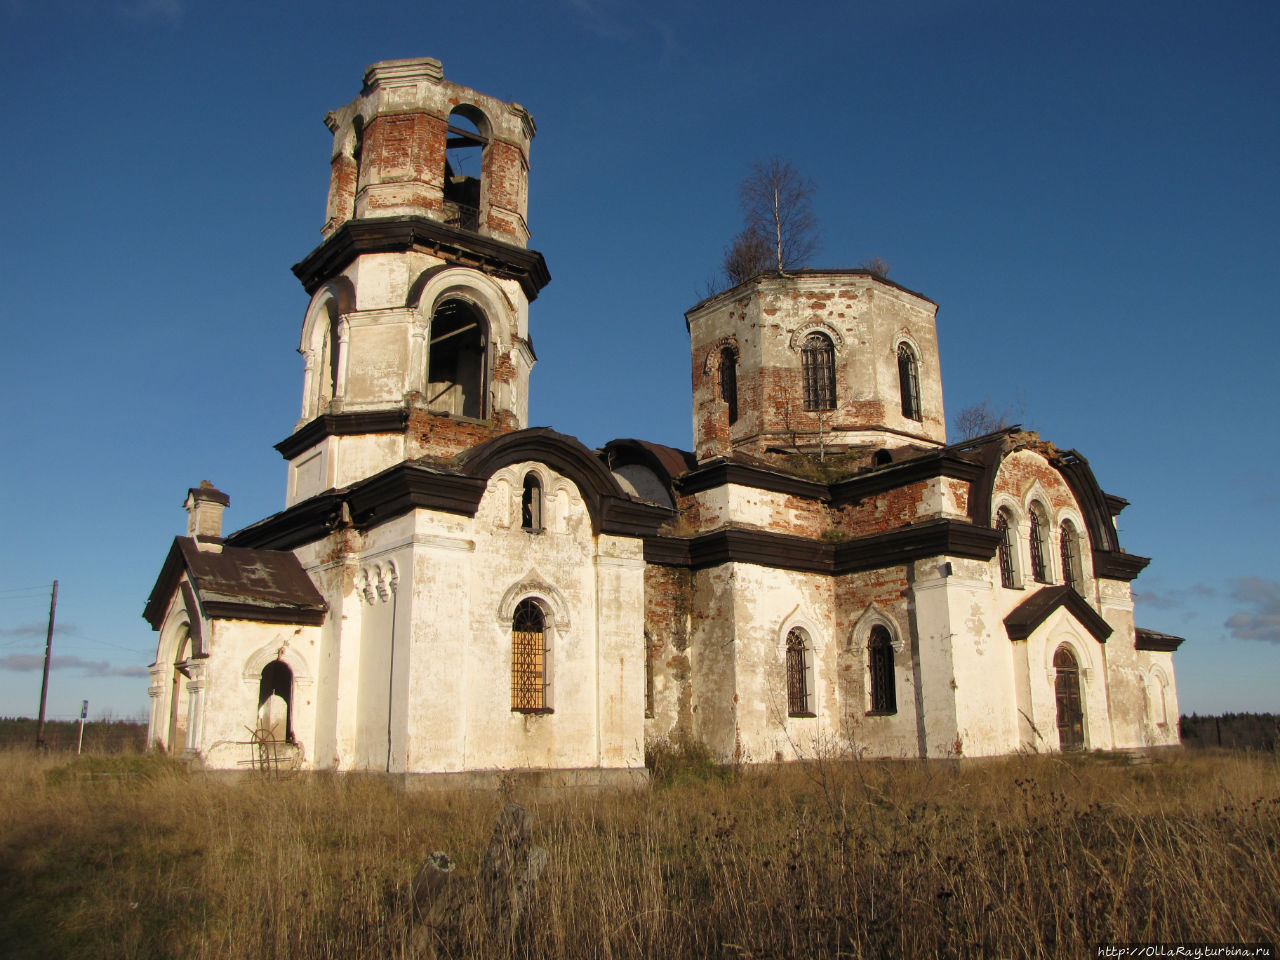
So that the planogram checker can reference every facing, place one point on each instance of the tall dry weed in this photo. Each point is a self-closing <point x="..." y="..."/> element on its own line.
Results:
<point x="1027" y="857"/>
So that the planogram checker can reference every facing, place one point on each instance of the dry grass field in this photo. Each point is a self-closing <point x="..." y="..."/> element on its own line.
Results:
<point x="131" y="856"/>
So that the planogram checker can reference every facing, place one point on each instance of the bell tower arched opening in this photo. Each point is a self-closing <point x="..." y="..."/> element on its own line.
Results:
<point x="457" y="368"/>
<point x="465" y="145"/>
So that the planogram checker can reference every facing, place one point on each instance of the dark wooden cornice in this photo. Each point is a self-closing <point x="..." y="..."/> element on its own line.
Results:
<point x="303" y="523"/>
<point x="409" y="486"/>
<point x="917" y="541"/>
<point x="342" y="425"/>
<point x="944" y="537"/>
<point x="893" y="476"/>
<point x="1159" y="642"/>
<point x="393" y="234"/>
<point x="722" y="472"/>
<point x="1118" y="565"/>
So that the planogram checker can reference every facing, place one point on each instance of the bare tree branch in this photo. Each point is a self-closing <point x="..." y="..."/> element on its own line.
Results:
<point x="780" y="231"/>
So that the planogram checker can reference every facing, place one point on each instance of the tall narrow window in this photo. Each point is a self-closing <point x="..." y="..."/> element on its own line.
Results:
<point x="1004" y="527"/>
<point x="457" y="366"/>
<point x="729" y="381"/>
<point x="648" y="675"/>
<point x="531" y="504"/>
<point x="275" y="701"/>
<point x="1069" y="546"/>
<point x="799" y="687"/>
<point x="818" y="357"/>
<point x="909" y="382"/>
<point x="528" y="659"/>
<point x="884" y="695"/>
<point x="1039" y="554"/>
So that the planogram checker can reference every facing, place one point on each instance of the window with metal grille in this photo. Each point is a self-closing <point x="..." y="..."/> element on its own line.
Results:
<point x="909" y="382"/>
<point x="799" y="658"/>
<point x="528" y="659"/>
<point x="818" y="358"/>
<point x="729" y="381"/>
<point x="1069" y="546"/>
<point x="884" y="695"/>
<point x="1004" y="527"/>
<point x="531" y="504"/>
<point x="1039" y="558"/>
<point x="648" y="674"/>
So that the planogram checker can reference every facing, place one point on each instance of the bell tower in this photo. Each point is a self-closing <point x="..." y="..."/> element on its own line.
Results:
<point x="416" y="340"/>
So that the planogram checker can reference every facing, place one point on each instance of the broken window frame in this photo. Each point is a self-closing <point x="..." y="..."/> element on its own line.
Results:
<point x="818" y="361"/>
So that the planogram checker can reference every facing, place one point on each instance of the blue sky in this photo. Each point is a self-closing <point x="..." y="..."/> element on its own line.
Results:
<point x="1088" y="190"/>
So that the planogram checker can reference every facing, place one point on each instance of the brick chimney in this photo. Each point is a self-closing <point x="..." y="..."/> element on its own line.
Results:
<point x="205" y="504"/>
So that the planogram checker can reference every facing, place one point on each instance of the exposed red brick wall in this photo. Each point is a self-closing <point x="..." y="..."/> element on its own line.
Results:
<point x="342" y="192"/>
<point x="668" y="593"/>
<point x="437" y="435"/>
<point x="1023" y="468"/>
<point x="884" y="511"/>
<point x="503" y="173"/>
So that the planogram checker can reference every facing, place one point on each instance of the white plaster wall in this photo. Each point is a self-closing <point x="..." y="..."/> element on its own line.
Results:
<point x="967" y="662"/>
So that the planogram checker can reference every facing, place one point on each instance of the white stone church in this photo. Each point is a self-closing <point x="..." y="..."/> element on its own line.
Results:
<point x="449" y="591"/>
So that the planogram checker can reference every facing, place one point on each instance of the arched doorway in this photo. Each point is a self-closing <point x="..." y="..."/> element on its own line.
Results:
<point x="179" y="698"/>
<point x="1067" y="693"/>
<point x="275" y="702"/>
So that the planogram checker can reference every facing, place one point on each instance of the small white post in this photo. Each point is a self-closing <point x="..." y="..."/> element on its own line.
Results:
<point x="84" y="712"/>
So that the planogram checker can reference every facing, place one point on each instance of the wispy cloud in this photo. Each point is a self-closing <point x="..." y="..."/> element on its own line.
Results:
<point x="41" y="629"/>
<point x="25" y="662"/>
<point x="1259" y="618"/>
<point x="1174" y="599"/>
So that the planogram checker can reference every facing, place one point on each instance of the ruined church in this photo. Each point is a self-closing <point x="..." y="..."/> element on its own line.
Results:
<point x="450" y="592"/>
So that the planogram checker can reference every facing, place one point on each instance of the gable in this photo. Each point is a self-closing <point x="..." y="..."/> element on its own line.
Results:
<point x="236" y="583"/>
<point x="1023" y="620"/>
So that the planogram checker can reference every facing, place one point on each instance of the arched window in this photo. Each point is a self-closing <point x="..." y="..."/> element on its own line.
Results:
<point x="729" y="381"/>
<point x="909" y="381"/>
<point x="799" y="670"/>
<point x="531" y="503"/>
<point x="275" y="702"/>
<point x="463" y="167"/>
<point x="818" y="357"/>
<point x="1069" y="546"/>
<point x="882" y="458"/>
<point x="1039" y="550"/>
<point x="884" y="694"/>
<point x="1007" y="548"/>
<point x="528" y="659"/>
<point x="1067" y="694"/>
<point x="458" y="367"/>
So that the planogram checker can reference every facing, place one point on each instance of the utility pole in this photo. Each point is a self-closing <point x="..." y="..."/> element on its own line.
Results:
<point x="44" y="686"/>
